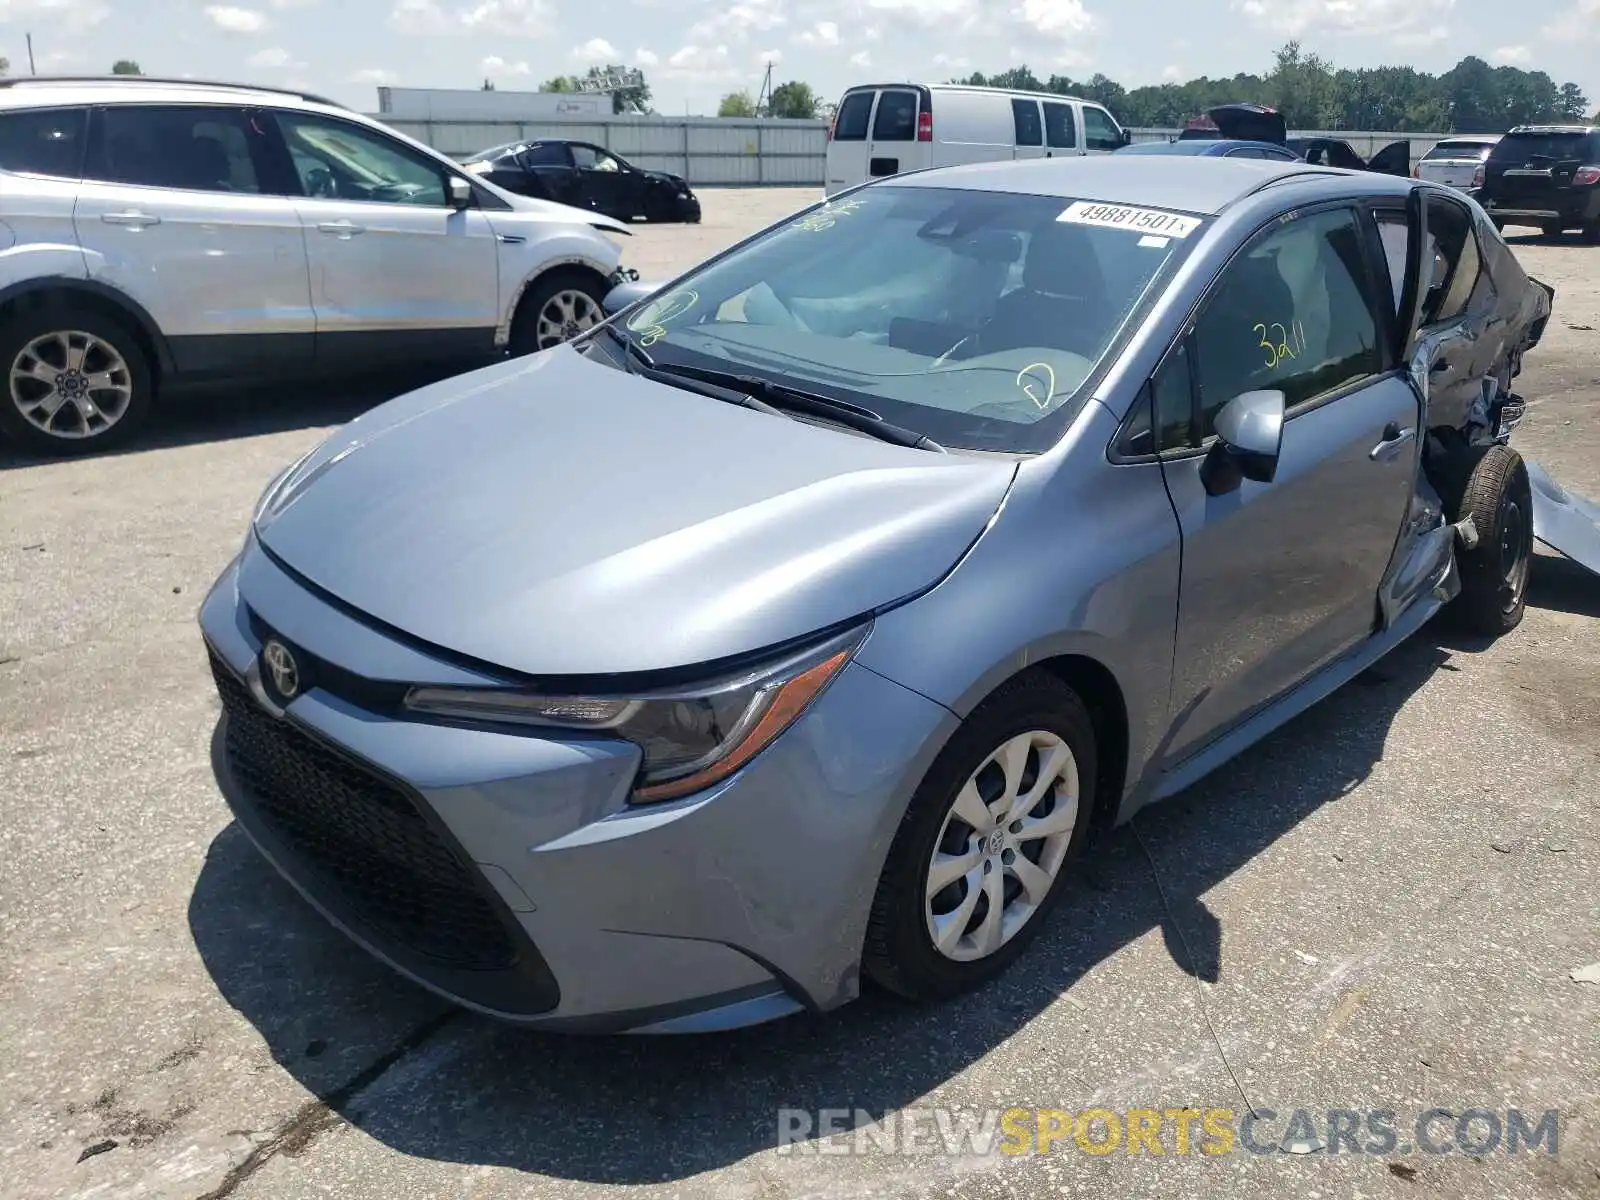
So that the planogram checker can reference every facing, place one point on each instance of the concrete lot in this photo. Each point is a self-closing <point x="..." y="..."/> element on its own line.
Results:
<point x="1378" y="908"/>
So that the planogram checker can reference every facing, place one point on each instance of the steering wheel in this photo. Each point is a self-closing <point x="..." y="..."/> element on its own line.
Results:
<point x="320" y="182"/>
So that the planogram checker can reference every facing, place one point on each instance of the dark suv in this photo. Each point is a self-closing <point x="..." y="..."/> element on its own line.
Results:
<point x="1547" y="176"/>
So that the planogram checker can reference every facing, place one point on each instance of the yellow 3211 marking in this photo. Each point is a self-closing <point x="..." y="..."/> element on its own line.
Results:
<point x="1281" y="341"/>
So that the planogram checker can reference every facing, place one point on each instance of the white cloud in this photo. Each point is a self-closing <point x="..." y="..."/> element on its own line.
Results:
<point x="823" y="33"/>
<point x="956" y="62"/>
<point x="646" y="58"/>
<point x="770" y="56"/>
<point x="702" y="62"/>
<point x="1409" y="22"/>
<point x="1511" y="54"/>
<point x="738" y="21"/>
<point x="67" y="16"/>
<point x="947" y="16"/>
<point x="495" y="65"/>
<point x="861" y="59"/>
<point x="1054" y="18"/>
<point x="1579" y="22"/>
<point x="512" y="18"/>
<point x="595" y="50"/>
<point x="236" y="20"/>
<point x="372" y="75"/>
<point x="292" y="3"/>
<point x="276" y="57"/>
<point x="1172" y="74"/>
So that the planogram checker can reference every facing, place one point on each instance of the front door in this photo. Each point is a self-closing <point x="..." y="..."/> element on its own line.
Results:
<point x="1281" y="578"/>
<point x="396" y="270"/>
<point x="177" y="211"/>
<point x="1393" y="159"/>
<point x="1029" y="127"/>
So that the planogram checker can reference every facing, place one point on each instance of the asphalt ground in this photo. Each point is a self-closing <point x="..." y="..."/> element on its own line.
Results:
<point x="1381" y="907"/>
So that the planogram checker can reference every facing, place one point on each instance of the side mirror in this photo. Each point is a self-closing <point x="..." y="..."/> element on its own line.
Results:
<point x="1249" y="442"/>
<point x="1127" y="137"/>
<point x="460" y="192"/>
<point x="625" y="294"/>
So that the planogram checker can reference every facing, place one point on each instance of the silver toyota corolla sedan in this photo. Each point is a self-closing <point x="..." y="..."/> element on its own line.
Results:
<point x="803" y="621"/>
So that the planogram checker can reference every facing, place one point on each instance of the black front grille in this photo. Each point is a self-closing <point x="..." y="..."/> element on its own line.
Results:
<point x="372" y="855"/>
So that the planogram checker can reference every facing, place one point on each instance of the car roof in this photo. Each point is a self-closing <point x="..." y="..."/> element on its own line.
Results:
<point x="42" y="91"/>
<point x="966" y="87"/>
<point x="1207" y="185"/>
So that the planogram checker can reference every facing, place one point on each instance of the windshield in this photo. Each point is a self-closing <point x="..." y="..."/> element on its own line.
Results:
<point x="975" y="318"/>
<point x="1552" y="147"/>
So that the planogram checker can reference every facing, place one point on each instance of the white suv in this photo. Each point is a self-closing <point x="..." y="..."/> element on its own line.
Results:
<point x="158" y="232"/>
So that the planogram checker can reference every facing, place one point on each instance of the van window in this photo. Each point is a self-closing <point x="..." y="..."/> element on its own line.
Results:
<point x="1060" y="130"/>
<point x="1029" y="130"/>
<point x="897" y="117"/>
<point x="1100" y="132"/>
<point x="851" y="123"/>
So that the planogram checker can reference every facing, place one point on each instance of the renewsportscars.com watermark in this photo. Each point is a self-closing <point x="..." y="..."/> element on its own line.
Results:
<point x="1475" y="1132"/>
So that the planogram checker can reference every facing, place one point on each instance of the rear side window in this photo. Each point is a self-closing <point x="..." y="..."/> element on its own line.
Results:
<point x="1543" y="149"/>
<point x="1453" y="265"/>
<point x="850" y="125"/>
<point x="197" y="148"/>
<point x="1030" y="132"/>
<point x="897" y="117"/>
<point x="545" y="154"/>
<point x="44" y="141"/>
<point x="1060" y="130"/>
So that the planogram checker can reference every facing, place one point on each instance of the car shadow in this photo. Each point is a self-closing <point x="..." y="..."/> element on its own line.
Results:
<point x="198" y="415"/>
<point x="491" y="1094"/>
<point x="1558" y="584"/>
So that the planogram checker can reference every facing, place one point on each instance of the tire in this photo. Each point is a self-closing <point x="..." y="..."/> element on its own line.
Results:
<point x="574" y="292"/>
<point x="1493" y="490"/>
<point x="1591" y="233"/>
<point x="900" y="953"/>
<point x="1552" y="231"/>
<point x="86" y="418"/>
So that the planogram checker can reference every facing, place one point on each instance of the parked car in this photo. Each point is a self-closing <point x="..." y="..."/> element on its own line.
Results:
<point x="1259" y="123"/>
<point x="880" y="130"/>
<point x="1217" y="148"/>
<point x="1547" y="176"/>
<point x="1458" y="161"/>
<point x="163" y="232"/>
<point x="651" y="738"/>
<point x="584" y="175"/>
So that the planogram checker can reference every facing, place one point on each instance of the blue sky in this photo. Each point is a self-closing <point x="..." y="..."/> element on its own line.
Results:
<point x="694" y="51"/>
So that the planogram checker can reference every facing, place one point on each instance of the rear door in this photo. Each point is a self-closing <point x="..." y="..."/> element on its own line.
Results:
<point x="182" y="209"/>
<point x="1028" y="126"/>
<point x="848" y="142"/>
<point x="893" y="145"/>
<point x="601" y="181"/>
<point x="1281" y="578"/>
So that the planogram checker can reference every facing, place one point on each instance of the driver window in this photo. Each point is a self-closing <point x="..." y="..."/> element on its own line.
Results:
<point x="1291" y="313"/>
<point x="588" y="158"/>
<point x="339" y="161"/>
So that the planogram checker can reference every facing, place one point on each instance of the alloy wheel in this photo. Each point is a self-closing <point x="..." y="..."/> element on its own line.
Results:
<point x="564" y="316"/>
<point x="1002" y="845"/>
<point x="71" y="384"/>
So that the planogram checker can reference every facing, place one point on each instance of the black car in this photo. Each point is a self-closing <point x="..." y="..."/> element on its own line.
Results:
<point x="1256" y="122"/>
<point x="1547" y="176"/>
<point x="586" y="176"/>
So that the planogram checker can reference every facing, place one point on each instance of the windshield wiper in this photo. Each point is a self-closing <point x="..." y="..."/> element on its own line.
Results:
<point x="639" y="362"/>
<point x="782" y="397"/>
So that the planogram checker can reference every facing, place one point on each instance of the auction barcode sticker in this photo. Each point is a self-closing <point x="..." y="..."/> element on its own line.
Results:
<point x="1120" y="216"/>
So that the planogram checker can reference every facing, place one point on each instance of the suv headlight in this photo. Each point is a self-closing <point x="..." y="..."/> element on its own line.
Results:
<point x="691" y="737"/>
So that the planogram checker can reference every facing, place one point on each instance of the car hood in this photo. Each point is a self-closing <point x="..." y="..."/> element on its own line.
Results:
<point x="556" y="516"/>
<point x="664" y="177"/>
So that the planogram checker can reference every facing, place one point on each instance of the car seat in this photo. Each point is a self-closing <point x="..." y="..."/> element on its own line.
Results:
<point x="1061" y="304"/>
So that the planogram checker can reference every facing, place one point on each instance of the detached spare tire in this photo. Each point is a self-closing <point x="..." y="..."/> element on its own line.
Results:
<point x="1491" y="487"/>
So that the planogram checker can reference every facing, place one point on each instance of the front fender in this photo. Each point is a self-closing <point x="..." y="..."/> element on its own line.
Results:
<point x="547" y="249"/>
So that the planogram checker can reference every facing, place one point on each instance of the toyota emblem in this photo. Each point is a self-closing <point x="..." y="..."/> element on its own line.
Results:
<point x="281" y="666"/>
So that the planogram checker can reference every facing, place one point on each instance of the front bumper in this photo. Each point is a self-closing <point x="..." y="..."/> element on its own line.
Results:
<point x="509" y="873"/>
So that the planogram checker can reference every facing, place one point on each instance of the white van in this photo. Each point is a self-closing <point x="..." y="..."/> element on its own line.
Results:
<point x="884" y="129"/>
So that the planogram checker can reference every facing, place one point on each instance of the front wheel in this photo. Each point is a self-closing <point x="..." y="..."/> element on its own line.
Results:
<point x="980" y="854"/>
<point x="1496" y="494"/>
<point x="77" y="381"/>
<point x="556" y="308"/>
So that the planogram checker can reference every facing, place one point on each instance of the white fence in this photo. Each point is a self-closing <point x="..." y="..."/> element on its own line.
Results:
<point x="739" y="152"/>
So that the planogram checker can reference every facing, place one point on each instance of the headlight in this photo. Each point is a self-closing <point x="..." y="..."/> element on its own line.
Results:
<point x="691" y="737"/>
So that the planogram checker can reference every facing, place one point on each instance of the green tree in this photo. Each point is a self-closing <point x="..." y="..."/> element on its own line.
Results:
<point x="488" y="84"/>
<point x="5" y="65"/>
<point x="737" y="104"/>
<point x="560" y="83"/>
<point x="125" y="66"/>
<point x="1572" y="103"/>
<point x="794" y="100"/>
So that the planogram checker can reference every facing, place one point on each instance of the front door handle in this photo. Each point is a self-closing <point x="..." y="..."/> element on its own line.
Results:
<point x="342" y="229"/>
<point x="1393" y="439"/>
<point x="130" y="218"/>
